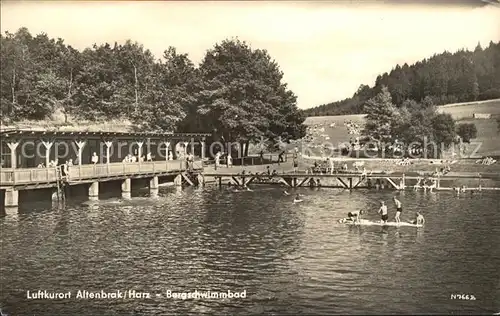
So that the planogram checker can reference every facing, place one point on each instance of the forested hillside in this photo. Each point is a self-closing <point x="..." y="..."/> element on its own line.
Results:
<point x="445" y="78"/>
<point x="236" y="92"/>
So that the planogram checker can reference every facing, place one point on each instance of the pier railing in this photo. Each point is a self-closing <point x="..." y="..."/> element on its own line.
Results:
<point x="31" y="175"/>
<point x="83" y="172"/>
<point x="252" y="160"/>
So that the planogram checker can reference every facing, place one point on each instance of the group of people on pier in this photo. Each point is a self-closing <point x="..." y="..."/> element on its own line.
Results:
<point x="94" y="159"/>
<point x="425" y="183"/>
<point x="219" y="155"/>
<point x="147" y="157"/>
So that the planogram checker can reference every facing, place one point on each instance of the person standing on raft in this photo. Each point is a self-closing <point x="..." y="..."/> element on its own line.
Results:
<point x="383" y="212"/>
<point x="399" y="209"/>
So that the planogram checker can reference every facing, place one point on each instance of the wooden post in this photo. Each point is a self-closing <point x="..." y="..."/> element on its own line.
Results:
<point x="350" y="183"/>
<point x="167" y="151"/>
<point x="201" y="180"/>
<point x="127" y="188"/>
<point x="94" y="190"/>
<point x="11" y="197"/>
<point x="203" y="140"/>
<point x="153" y="186"/>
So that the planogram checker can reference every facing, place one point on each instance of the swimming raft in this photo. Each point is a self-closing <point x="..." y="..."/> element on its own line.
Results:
<point x="365" y="222"/>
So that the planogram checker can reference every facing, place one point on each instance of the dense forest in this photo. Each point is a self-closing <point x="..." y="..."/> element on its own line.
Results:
<point x="236" y="92"/>
<point x="446" y="78"/>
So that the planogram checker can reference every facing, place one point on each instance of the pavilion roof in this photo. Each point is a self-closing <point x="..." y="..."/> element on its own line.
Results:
<point x="43" y="133"/>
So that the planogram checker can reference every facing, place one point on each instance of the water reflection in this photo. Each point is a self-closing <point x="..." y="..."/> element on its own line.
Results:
<point x="11" y="211"/>
<point x="291" y="258"/>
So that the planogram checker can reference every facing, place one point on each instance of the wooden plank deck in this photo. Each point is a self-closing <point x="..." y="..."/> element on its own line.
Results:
<point x="87" y="173"/>
<point x="352" y="175"/>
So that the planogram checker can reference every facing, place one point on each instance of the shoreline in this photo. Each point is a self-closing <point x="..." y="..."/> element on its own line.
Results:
<point x="379" y="165"/>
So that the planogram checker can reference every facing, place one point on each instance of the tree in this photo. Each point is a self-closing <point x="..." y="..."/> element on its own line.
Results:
<point x="288" y="122"/>
<point x="381" y="115"/>
<point x="9" y="59"/>
<point x="467" y="131"/>
<point x="21" y="67"/>
<point x="182" y="82"/>
<point x="412" y="124"/>
<point x="243" y="97"/>
<point x="417" y="126"/>
<point x="172" y="96"/>
<point x="49" y="91"/>
<point x="99" y="91"/>
<point x="443" y="131"/>
<point x="68" y="67"/>
<point x="134" y="64"/>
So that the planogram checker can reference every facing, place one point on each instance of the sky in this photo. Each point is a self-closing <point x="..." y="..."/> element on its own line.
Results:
<point x="325" y="49"/>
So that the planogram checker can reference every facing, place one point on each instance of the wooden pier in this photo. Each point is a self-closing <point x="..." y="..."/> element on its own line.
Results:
<point x="34" y="178"/>
<point x="348" y="181"/>
<point x="23" y="150"/>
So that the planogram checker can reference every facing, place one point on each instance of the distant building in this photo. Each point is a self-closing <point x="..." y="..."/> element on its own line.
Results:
<point x="481" y="115"/>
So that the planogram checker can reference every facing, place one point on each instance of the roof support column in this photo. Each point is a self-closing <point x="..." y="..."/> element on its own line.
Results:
<point x="108" y="144"/>
<point x="48" y="145"/>
<point x="167" y="149"/>
<point x="139" y="152"/>
<point x="174" y="149"/>
<point x="80" y="144"/>
<point x="203" y="140"/>
<point x="13" y="154"/>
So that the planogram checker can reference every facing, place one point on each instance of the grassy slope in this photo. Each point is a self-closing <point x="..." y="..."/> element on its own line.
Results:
<point x="487" y="128"/>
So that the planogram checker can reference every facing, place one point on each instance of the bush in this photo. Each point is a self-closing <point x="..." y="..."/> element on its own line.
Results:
<point x="467" y="131"/>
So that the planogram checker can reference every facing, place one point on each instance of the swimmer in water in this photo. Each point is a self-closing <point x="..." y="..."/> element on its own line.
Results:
<point x="297" y="199"/>
<point x="417" y="185"/>
<point x="420" y="220"/>
<point x="355" y="216"/>
<point x="383" y="212"/>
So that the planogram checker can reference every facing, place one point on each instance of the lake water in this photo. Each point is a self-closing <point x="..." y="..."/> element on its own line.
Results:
<point x="289" y="258"/>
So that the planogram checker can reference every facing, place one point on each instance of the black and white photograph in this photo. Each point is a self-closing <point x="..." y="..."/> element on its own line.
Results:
<point x="250" y="157"/>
